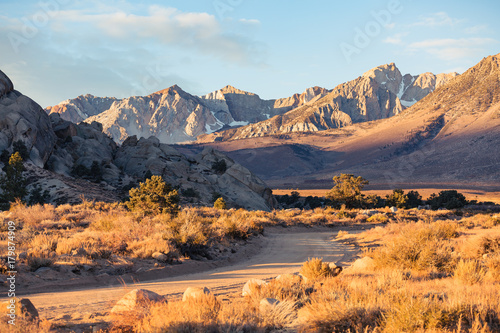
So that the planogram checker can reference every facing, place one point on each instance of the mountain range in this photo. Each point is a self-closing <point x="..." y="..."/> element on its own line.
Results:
<point x="173" y="115"/>
<point x="449" y="138"/>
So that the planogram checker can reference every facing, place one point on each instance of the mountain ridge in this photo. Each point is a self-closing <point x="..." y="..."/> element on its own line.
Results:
<point x="185" y="117"/>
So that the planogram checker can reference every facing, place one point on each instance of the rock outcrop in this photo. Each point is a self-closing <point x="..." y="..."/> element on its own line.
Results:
<point x="21" y="119"/>
<point x="238" y="186"/>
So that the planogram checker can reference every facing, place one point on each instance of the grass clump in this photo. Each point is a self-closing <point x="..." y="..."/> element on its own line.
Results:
<point x="469" y="272"/>
<point x="418" y="246"/>
<point x="315" y="269"/>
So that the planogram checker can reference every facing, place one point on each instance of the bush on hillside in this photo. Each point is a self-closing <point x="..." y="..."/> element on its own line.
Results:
<point x="154" y="196"/>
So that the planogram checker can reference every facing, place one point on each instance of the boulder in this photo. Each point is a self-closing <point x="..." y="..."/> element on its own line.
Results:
<point x="393" y="209"/>
<point x="21" y="119"/>
<point x="160" y="256"/>
<point x="267" y="304"/>
<point x="250" y="284"/>
<point x="195" y="292"/>
<point x="137" y="300"/>
<point x="336" y="269"/>
<point x="362" y="264"/>
<point x="23" y="308"/>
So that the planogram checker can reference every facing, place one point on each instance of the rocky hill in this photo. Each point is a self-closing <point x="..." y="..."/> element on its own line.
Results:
<point x="70" y="160"/>
<point x="379" y="93"/>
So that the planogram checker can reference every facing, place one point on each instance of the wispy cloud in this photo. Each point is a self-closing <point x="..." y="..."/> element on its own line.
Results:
<point x="437" y="20"/>
<point x="452" y="49"/>
<point x="199" y="32"/>
<point x="476" y="29"/>
<point x="396" y="39"/>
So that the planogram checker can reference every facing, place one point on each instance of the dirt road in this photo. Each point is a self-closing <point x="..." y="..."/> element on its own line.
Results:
<point x="280" y="251"/>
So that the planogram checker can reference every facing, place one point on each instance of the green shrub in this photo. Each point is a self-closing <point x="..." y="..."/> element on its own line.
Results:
<point x="219" y="166"/>
<point x="13" y="183"/>
<point x="447" y="199"/>
<point x="220" y="203"/>
<point x="347" y="190"/>
<point x="154" y="196"/>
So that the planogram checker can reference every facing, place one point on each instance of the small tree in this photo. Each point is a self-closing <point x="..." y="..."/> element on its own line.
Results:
<point x="154" y="196"/>
<point x="96" y="172"/>
<point x="219" y="166"/>
<point x="220" y="203"/>
<point x="347" y="190"/>
<point x="397" y="198"/>
<point x="414" y="199"/>
<point x="20" y="147"/>
<point x="447" y="199"/>
<point x="13" y="183"/>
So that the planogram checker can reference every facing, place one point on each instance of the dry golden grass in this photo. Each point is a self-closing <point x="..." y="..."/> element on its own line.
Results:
<point x="436" y="271"/>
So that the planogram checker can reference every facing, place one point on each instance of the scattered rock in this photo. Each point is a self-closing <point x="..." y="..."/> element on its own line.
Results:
<point x="137" y="299"/>
<point x="43" y="270"/>
<point x="194" y="292"/>
<point x="362" y="264"/>
<point x="160" y="256"/>
<point x="252" y="283"/>
<point x="267" y="304"/>
<point x="335" y="268"/>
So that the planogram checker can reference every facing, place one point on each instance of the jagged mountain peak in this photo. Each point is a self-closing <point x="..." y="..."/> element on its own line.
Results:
<point x="229" y="89"/>
<point x="175" y="89"/>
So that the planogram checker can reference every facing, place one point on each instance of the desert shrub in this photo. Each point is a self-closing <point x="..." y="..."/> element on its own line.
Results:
<point x="20" y="147"/>
<point x="493" y="264"/>
<point x="220" y="203"/>
<point x="347" y="190"/>
<point x="154" y="196"/>
<point x="190" y="193"/>
<point x="13" y="183"/>
<point x="38" y="196"/>
<point x="35" y="262"/>
<point x="95" y="172"/>
<point x="315" y="268"/>
<point x="334" y="308"/>
<point x="469" y="272"/>
<point x="313" y="202"/>
<point x="450" y="199"/>
<point x="144" y="248"/>
<point x="397" y="199"/>
<point x="418" y="246"/>
<point x="286" y="287"/>
<point x="411" y="314"/>
<point x="414" y="199"/>
<point x="33" y="215"/>
<point x="378" y="218"/>
<point x="219" y="166"/>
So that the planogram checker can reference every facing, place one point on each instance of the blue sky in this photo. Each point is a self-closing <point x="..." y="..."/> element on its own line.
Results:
<point x="58" y="49"/>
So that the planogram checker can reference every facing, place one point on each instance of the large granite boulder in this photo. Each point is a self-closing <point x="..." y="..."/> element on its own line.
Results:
<point x="21" y="119"/>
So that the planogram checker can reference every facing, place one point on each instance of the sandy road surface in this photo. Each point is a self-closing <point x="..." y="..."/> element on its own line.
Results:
<point x="281" y="251"/>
